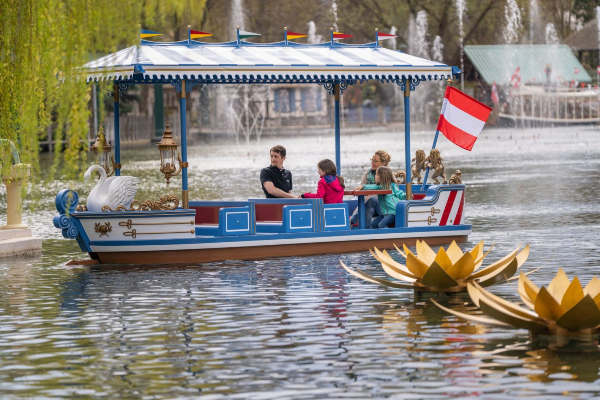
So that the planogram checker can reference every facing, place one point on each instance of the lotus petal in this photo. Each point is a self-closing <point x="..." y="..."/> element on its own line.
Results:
<point x="388" y="262"/>
<point x="503" y="315"/>
<point x="513" y="308"/>
<point x="403" y="254"/>
<point x="415" y="266"/>
<point x="573" y="295"/>
<point x="527" y="273"/>
<point x="593" y="287"/>
<point x="500" y="275"/>
<point x="496" y="265"/>
<point x="524" y="294"/>
<point x="442" y="259"/>
<point x="585" y="314"/>
<point x="477" y="251"/>
<point x="559" y="284"/>
<point x="356" y="274"/>
<point x="424" y="252"/>
<point x="531" y="289"/>
<point x="546" y="307"/>
<point x="469" y="317"/>
<point x="454" y="252"/>
<point x="438" y="278"/>
<point x="462" y="268"/>
<point x="383" y="282"/>
<point x="479" y="261"/>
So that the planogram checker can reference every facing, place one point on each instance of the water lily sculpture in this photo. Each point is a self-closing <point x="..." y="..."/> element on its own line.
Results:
<point x="563" y="307"/>
<point x="445" y="271"/>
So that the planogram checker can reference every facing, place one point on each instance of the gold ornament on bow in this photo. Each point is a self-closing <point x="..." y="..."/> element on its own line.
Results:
<point x="445" y="271"/>
<point x="562" y="308"/>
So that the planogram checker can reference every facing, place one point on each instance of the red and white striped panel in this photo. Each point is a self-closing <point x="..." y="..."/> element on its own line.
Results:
<point x="447" y="210"/>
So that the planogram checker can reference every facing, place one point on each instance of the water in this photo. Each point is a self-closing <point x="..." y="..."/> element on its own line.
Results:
<point x="512" y="14"/>
<point x="313" y="38"/>
<point x="534" y="16"/>
<point x="301" y="327"/>
<point x="237" y="15"/>
<point x="551" y="34"/>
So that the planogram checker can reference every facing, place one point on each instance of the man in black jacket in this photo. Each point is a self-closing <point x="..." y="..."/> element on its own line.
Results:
<point x="275" y="180"/>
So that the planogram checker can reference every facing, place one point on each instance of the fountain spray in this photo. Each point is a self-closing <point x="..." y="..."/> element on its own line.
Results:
<point x="461" y="7"/>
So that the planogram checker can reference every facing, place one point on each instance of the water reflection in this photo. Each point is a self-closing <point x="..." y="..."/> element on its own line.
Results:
<point x="300" y="327"/>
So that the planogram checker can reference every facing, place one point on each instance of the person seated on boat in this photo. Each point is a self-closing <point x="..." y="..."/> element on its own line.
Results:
<point x="386" y="204"/>
<point x="331" y="185"/>
<point x="380" y="158"/>
<point x="274" y="179"/>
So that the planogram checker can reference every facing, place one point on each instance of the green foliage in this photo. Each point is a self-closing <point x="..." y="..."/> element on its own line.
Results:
<point x="42" y="42"/>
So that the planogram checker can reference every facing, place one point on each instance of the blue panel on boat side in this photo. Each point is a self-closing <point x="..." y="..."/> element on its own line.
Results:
<point x="235" y="221"/>
<point x="336" y="217"/>
<point x="298" y="218"/>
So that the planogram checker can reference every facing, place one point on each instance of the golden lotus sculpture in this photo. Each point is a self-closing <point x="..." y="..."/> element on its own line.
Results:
<point x="448" y="270"/>
<point x="562" y="308"/>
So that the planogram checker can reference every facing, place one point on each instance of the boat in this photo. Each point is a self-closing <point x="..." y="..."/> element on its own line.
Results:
<point x="176" y="230"/>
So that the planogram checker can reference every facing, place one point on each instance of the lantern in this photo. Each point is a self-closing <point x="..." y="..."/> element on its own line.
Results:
<point x="102" y="150"/>
<point x="167" y="148"/>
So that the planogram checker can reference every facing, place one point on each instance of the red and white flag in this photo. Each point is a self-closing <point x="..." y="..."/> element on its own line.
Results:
<point x="462" y="118"/>
<point x="495" y="98"/>
<point x="515" y="79"/>
<point x="577" y="70"/>
<point x="598" y="69"/>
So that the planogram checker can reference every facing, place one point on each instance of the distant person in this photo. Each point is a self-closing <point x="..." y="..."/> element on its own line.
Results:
<point x="380" y="158"/>
<point x="275" y="180"/>
<point x="330" y="187"/>
<point x="386" y="204"/>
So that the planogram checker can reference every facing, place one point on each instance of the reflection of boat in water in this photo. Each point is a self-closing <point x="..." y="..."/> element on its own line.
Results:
<point x="201" y="231"/>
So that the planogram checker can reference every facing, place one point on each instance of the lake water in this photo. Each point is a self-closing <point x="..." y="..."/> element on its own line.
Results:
<point x="301" y="327"/>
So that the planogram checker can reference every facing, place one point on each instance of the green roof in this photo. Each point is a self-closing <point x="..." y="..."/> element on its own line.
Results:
<point x="498" y="63"/>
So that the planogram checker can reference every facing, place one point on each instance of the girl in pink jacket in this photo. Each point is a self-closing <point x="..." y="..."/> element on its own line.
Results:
<point x="331" y="186"/>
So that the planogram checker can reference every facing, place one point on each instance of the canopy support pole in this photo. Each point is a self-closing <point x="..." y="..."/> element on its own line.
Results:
<point x="338" y="158"/>
<point x="407" y="137"/>
<point x="184" y="161"/>
<point x="117" y="139"/>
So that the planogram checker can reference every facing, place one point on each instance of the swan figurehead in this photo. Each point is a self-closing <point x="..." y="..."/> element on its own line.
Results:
<point x="113" y="192"/>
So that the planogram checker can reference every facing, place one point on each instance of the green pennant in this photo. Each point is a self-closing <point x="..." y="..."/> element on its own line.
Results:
<point x="246" y="35"/>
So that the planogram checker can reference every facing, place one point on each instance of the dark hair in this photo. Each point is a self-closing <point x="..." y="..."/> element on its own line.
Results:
<point x="279" y="149"/>
<point x="329" y="168"/>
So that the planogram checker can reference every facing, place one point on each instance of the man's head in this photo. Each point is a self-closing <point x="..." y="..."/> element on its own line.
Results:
<point x="277" y="156"/>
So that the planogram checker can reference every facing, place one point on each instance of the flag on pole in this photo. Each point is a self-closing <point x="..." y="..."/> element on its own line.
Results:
<point x="340" y="35"/>
<point x="294" y="35"/>
<point x="462" y="118"/>
<point x="198" y="34"/>
<point x="515" y="79"/>
<point x="495" y="98"/>
<point x="246" y="35"/>
<point x="383" y="36"/>
<point x="146" y="34"/>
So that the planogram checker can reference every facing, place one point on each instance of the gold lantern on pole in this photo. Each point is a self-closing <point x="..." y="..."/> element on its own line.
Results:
<point x="167" y="148"/>
<point x="102" y="149"/>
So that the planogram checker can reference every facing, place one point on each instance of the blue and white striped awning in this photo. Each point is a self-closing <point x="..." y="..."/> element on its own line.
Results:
<point x="267" y="63"/>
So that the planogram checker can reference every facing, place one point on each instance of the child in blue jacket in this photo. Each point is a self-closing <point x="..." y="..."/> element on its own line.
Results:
<point x="384" y="178"/>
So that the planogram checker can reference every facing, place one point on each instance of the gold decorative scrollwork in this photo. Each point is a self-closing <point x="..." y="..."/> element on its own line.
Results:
<point x="103" y="229"/>
<point x="133" y="233"/>
<point x="433" y="211"/>
<point x="129" y="223"/>
<point x="168" y="202"/>
<point x="429" y="220"/>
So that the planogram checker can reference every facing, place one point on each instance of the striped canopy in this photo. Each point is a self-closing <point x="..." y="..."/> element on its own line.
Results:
<point x="267" y="63"/>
